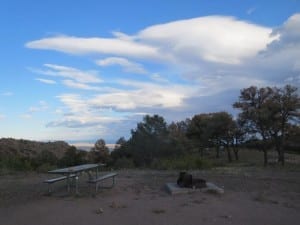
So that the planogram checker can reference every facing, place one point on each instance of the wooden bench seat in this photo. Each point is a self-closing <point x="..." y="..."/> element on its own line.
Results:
<point x="56" y="179"/>
<point x="104" y="177"/>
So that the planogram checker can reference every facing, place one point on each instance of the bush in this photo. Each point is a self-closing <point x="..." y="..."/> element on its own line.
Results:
<point x="124" y="163"/>
<point x="15" y="163"/>
<point x="72" y="157"/>
<point x="45" y="168"/>
<point x="44" y="157"/>
<point x="203" y="163"/>
<point x="187" y="162"/>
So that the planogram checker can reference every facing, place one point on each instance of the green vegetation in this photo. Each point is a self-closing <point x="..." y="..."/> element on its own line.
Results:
<point x="187" y="162"/>
<point x="266" y="127"/>
<point x="268" y="121"/>
<point x="15" y="163"/>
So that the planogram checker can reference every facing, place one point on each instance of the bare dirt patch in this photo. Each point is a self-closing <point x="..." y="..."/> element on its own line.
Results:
<point x="252" y="196"/>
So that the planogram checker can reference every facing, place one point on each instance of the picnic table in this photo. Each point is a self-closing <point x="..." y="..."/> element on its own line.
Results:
<point x="73" y="172"/>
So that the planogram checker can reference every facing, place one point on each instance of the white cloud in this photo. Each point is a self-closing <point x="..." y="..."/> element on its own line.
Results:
<point x="115" y="106"/>
<point x="279" y="61"/>
<point x="79" y="121"/>
<point x="128" y="66"/>
<point x="79" y="112"/>
<point x="133" y="95"/>
<point x="77" y="85"/>
<point x="46" y="81"/>
<point x="69" y="72"/>
<point x="74" y="102"/>
<point x="158" y="78"/>
<point x="2" y="116"/>
<point x="202" y="65"/>
<point x="213" y="38"/>
<point x="76" y="78"/>
<point x="41" y="106"/>
<point x="79" y="45"/>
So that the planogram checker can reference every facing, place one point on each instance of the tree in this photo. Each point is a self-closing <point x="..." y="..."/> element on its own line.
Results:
<point x="71" y="157"/>
<point x="266" y="112"/>
<point x="100" y="152"/>
<point x="239" y="135"/>
<point x="292" y="142"/>
<point x="200" y="132"/>
<point x="213" y="130"/>
<point x="222" y="131"/>
<point x="120" y="142"/>
<point x="148" y="141"/>
<point x="285" y="107"/>
<point x="121" y="150"/>
<point x="179" y="143"/>
<point x="45" y="157"/>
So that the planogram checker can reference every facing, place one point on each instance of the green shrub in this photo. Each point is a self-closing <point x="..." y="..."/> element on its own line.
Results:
<point x="124" y="163"/>
<point x="45" y="168"/>
<point x="203" y="163"/>
<point x="44" y="157"/>
<point x="186" y="162"/>
<point x="15" y="163"/>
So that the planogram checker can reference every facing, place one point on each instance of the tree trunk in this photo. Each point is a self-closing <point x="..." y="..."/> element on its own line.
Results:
<point x="236" y="153"/>
<point x="282" y="142"/>
<point x="201" y="150"/>
<point x="265" y="157"/>
<point x="277" y="148"/>
<point x="281" y="150"/>
<point x="218" y="152"/>
<point x="281" y="157"/>
<point x="229" y="154"/>
<point x="264" y="147"/>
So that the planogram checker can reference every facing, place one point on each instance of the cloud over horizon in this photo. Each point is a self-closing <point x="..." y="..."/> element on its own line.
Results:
<point x="174" y="67"/>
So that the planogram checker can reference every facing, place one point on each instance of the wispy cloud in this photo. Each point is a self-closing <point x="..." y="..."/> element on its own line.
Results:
<point x="8" y="93"/>
<point x="78" y="45"/>
<point x="26" y="116"/>
<point x="158" y="78"/>
<point x="78" y="85"/>
<point x="2" y="116"/>
<point x="41" y="106"/>
<point x="79" y="112"/>
<point x="128" y="66"/>
<point x="81" y="76"/>
<point x="76" y="78"/>
<point x="115" y="106"/>
<point x="46" y="81"/>
<point x="251" y="10"/>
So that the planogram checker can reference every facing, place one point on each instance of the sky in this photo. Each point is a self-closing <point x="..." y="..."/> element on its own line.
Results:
<point x="83" y="70"/>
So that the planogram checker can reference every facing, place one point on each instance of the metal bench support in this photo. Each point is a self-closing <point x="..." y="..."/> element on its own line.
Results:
<point x="57" y="179"/>
<point x="104" y="177"/>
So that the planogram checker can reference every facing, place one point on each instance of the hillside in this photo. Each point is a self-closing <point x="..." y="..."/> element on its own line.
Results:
<point x="26" y="148"/>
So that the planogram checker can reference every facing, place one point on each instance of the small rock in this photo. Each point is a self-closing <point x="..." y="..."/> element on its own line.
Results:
<point x="99" y="211"/>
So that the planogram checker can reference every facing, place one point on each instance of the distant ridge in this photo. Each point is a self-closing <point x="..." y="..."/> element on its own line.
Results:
<point x="30" y="149"/>
<point x="87" y="146"/>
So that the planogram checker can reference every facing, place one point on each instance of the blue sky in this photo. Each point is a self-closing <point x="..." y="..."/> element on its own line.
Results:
<point x="89" y="69"/>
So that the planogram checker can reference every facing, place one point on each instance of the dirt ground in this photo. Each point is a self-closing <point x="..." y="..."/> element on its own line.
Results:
<point x="252" y="196"/>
